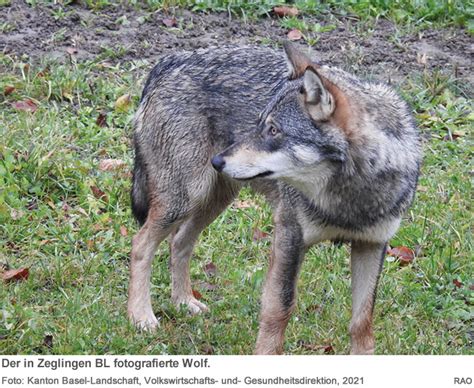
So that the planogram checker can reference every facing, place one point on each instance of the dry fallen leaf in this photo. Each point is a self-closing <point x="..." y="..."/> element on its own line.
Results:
<point x="82" y="211"/>
<point x="316" y="348"/>
<point x="259" y="234"/>
<point x="315" y="308"/>
<point x="101" y="120"/>
<point x="421" y="58"/>
<point x="244" y="204"/>
<point x="170" y="22"/>
<point x="122" y="103"/>
<point x="328" y="349"/>
<point x="210" y="269"/>
<point x="48" y="341"/>
<point x="457" y="283"/>
<point x="453" y="136"/>
<point x="98" y="193"/>
<point x="404" y="255"/>
<point x="11" y="245"/>
<point x="26" y="105"/>
<point x="123" y="231"/>
<point x="8" y="89"/>
<point x="72" y="50"/>
<point x="16" y="214"/>
<point x="111" y="164"/>
<point x="285" y="11"/>
<point x="207" y="349"/>
<point x="90" y="244"/>
<point x="422" y="189"/>
<point x="97" y="227"/>
<point x="32" y="205"/>
<point x="295" y="35"/>
<point x="105" y="65"/>
<point x="197" y="294"/>
<point x="15" y="274"/>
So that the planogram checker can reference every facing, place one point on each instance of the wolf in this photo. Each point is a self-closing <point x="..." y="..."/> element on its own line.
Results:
<point x="337" y="157"/>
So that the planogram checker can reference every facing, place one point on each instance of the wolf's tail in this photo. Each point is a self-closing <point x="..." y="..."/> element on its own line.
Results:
<point x="139" y="192"/>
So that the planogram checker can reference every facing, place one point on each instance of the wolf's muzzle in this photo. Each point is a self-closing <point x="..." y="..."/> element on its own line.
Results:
<point x="218" y="162"/>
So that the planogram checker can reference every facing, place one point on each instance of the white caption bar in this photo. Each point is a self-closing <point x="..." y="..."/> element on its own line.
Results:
<point x="238" y="371"/>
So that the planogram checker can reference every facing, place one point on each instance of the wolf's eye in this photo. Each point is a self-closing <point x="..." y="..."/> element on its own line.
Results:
<point x="272" y="130"/>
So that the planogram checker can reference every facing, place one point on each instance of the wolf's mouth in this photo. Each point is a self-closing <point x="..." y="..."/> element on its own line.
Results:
<point x="261" y="175"/>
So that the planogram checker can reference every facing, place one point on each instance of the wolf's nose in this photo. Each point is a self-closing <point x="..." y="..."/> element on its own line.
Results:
<point x="218" y="162"/>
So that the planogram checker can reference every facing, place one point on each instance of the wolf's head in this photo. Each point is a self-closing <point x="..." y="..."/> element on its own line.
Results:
<point x="323" y="120"/>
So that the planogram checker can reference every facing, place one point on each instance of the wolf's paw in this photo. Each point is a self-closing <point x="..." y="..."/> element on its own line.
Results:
<point x="196" y="307"/>
<point x="147" y="322"/>
<point x="193" y="305"/>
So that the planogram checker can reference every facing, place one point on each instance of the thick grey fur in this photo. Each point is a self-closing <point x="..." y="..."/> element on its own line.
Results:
<point x="217" y="102"/>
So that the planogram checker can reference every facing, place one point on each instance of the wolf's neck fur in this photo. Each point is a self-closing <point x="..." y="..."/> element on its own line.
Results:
<point x="312" y="184"/>
<point x="354" y="182"/>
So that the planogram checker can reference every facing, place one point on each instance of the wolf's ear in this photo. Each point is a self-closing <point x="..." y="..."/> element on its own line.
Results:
<point x="296" y="60"/>
<point x="318" y="99"/>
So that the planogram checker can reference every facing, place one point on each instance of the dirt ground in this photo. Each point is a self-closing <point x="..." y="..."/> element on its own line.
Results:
<point x="39" y="33"/>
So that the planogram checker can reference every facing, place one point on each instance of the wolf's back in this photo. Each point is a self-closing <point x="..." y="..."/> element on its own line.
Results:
<point x="214" y="94"/>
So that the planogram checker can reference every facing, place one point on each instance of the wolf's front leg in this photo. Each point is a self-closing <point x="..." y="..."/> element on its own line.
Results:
<point x="279" y="292"/>
<point x="366" y="264"/>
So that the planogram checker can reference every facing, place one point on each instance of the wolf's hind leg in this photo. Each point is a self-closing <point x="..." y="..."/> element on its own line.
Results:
<point x="183" y="241"/>
<point x="144" y="246"/>
<point x="366" y="264"/>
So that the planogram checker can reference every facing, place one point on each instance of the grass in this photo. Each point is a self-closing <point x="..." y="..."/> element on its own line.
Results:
<point x="76" y="241"/>
<point x="419" y="13"/>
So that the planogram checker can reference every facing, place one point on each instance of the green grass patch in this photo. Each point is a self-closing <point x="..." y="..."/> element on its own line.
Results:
<point x="419" y="13"/>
